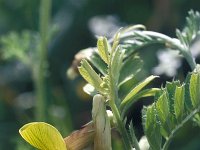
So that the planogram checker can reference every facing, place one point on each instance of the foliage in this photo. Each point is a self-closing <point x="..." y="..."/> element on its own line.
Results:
<point x="171" y="110"/>
<point x="112" y="70"/>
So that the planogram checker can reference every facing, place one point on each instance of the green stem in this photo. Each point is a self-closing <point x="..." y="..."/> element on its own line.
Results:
<point x="174" y="43"/>
<point x="113" y="99"/>
<point x="164" y="39"/>
<point x="40" y="68"/>
<point x="169" y="139"/>
<point x="121" y="126"/>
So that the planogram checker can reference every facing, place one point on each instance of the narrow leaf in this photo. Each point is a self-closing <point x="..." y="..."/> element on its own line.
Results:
<point x="132" y="136"/>
<point x="90" y="75"/>
<point x="195" y="89"/>
<point x="166" y="119"/>
<point x="151" y="127"/>
<point x="163" y="114"/>
<point x="179" y="102"/>
<point x="136" y="89"/>
<point x="144" y="93"/>
<point x="116" y="63"/>
<point x="102" y="45"/>
<point x="42" y="136"/>
<point x="170" y="89"/>
<point x="188" y="101"/>
<point x="98" y="63"/>
<point x="130" y="68"/>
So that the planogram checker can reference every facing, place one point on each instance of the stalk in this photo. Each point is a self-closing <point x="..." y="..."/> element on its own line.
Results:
<point x="164" y="39"/>
<point x="40" y="68"/>
<point x="120" y="124"/>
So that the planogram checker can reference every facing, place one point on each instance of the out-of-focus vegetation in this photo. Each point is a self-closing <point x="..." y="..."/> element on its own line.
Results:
<point x="74" y="24"/>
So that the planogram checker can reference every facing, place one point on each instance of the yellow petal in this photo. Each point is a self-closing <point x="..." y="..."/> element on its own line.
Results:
<point x="42" y="136"/>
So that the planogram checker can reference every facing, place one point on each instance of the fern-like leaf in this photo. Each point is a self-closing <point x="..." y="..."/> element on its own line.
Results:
<point x="172" y="110"/>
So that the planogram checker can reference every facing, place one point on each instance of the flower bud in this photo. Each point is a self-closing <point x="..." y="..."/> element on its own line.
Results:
<point x="102" y="139"/>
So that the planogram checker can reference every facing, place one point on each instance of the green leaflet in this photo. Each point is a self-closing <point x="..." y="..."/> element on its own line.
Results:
<point x="173" y="109"/>
<point x="98" y="63"/>
<point x="162" y="108"/>
<point x="191" y="29"/>
<point x="130" y="68"/>
<point x="144" y="93"/>
<point x="90" y="75"/>
<point x="103" y="48"/>
<point x="151" y="127"/>
<point x="179" y="99"/>
<point x="116" y="41"/>
<point x="188" y="101"/>
<point x="136" y="89"/>
<point x="194" y="89"/>
<point x="132" y="136"/>
<point x="170" y="88"/>
<point x="116" y="63"/>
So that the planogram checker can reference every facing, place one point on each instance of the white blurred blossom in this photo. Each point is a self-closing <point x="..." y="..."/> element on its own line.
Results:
<point x="169" y="62"/>
<point x="57" y="111"/>
<point x="104" y="25"/>
<point x="25" y="100"/>
<point x="143" y="143"/>
<point x="195" y="48"/>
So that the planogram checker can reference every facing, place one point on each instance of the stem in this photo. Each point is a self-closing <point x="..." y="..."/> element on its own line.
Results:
<point x="164" y="39"/>
<point x="113" y="98"/>
<point x="121" y="126"/>
<point x="174" y="43"/>
<point x="168" y="141"/>
<point x="40" y="68"/>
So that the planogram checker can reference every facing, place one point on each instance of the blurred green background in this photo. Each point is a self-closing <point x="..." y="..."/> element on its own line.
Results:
<point x="76" y="24"/>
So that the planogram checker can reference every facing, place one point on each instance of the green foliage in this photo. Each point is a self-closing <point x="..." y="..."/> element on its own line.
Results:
<point x="102" y="45"/>
<point x="151" y="127"/>
<point x="137" y="39"/>
<point x="19" y="46"/>
<point x="170" y="110"/>
<point x="136" y="89"/>
<point x="121" y="70"/>
<point x="130" y="68"/>
<point x="90" y="75"/>
<point x="191" y="30"/>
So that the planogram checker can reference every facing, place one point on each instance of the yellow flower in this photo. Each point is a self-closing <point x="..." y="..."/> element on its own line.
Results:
<point x="43" y="136"/>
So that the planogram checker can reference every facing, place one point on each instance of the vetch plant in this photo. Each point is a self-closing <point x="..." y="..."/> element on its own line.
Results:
<point x="111" y="71"/>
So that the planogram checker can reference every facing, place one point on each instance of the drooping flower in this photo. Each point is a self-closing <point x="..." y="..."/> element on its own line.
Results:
<point x="44" y="136"/>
